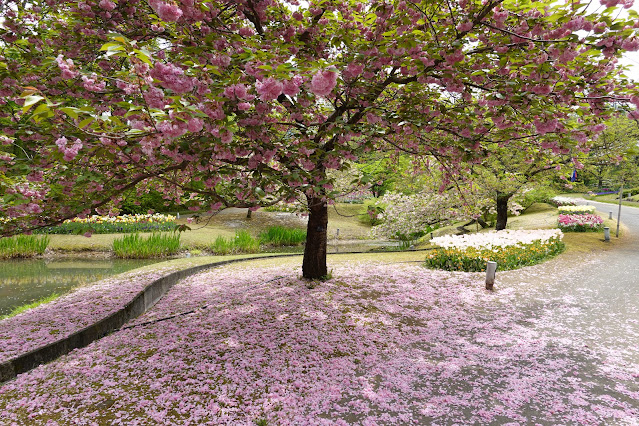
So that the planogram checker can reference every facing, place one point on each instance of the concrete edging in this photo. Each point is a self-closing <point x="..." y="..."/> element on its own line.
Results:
<point x="141" y="303"/>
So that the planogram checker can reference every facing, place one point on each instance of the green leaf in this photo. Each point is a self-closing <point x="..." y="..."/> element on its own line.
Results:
<point x="111" y="46"/>
<point x="41" y="108"/>
<point x="30" y="101"/>
<point x="85" y="122"/>
<point x="143" y="56"/>
<point x="70" y="111"/>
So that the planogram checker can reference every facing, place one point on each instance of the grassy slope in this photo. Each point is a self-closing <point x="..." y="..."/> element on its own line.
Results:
<point x="608" y="198"/>
<point x="202" y="234"/>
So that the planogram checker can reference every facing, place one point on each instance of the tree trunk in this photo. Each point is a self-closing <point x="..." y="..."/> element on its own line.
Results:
<point x="502" y="210"/>
<point x="314" y="263"/>
<point x="248" y="213"/>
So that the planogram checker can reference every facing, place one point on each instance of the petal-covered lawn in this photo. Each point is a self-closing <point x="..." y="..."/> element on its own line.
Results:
<point x="385" y="344"/>
<point x="70" y="313"/>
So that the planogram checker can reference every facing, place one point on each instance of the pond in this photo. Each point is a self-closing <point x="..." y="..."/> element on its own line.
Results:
<point x="26" y="281"/>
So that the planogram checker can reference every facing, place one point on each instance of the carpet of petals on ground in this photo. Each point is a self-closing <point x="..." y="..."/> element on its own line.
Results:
<point x="385" y="344"/>
<point x="70" y="313"/>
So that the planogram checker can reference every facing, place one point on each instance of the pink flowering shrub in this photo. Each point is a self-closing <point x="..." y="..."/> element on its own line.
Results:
<point x="580" y="222"/>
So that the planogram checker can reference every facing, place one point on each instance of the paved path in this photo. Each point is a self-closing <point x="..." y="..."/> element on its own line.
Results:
<point x="590" y="301"/>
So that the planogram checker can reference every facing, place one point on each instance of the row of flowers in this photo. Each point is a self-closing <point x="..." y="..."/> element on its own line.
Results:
<point x="511" y="249"/>
<point x="580" y="222"/>
<point x="576" y="210"/>
<point x="113" y="224"/>
<point x="496" y="239"/>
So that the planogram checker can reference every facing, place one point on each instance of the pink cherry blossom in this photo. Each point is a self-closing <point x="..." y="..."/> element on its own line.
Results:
<point x="166" y="11"/>
<point x="292" y="87"/>
<point x="269" y="89"/>
<point x="107" y="5"/>
<point x="172" y="77"/>
<point x="323" y="82"/>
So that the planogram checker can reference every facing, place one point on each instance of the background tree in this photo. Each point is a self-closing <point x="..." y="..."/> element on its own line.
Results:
<point x="505" y="172"/>
<point x="243" y="103"/>
<point x="614" y="150"/>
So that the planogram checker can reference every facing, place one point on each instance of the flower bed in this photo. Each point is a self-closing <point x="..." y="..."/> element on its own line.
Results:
<point x="580" y="222"/>
<point x="510" y="249"/>
<point x="576" y="210"/>
<point x="114" y="224"/>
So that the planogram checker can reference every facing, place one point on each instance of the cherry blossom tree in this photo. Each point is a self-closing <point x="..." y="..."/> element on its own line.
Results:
<point x="242" y="103"/>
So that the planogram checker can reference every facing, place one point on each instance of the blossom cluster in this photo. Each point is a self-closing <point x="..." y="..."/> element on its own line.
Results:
<point x="69" y="151"/>
<point x="496" y="239"/>
<point x="576" y="210"/>
<point x="580" y="222"/>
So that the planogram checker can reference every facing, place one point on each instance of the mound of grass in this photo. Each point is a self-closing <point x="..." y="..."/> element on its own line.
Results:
<point x="22" y="246"/>
<point x="156" y="245"/>
<point x="282" y="236"/>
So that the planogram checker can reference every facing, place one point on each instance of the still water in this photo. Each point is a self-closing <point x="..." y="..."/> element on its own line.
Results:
<point x="25" y="281"/>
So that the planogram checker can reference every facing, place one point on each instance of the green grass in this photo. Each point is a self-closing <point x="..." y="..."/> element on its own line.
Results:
<point x="209" y="228"/>
<point x="22" y="246"/>
<point x="20" y="309"/>
<point x="243" y="242"/>
<point x="222" y="246"/>
<point x="156" y="245"/>
<point x="612" y="199"/>
<point x="282" y="236"/>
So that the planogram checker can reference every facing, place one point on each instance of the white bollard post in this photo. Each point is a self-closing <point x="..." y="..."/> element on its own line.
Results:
<point x="610" y="215"/>
<point x="178" y="215"/>
<point x="491" y="268"/>
<point x="606" y="233"/>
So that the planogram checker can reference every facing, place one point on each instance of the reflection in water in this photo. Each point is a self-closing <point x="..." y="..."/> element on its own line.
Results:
<point x="25" y="281"/>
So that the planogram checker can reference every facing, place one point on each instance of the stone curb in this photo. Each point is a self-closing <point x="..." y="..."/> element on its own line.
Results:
<point x="141" y="303"/>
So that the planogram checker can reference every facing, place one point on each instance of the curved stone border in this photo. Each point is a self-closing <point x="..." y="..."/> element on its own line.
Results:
<point x="141" y="303"/>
